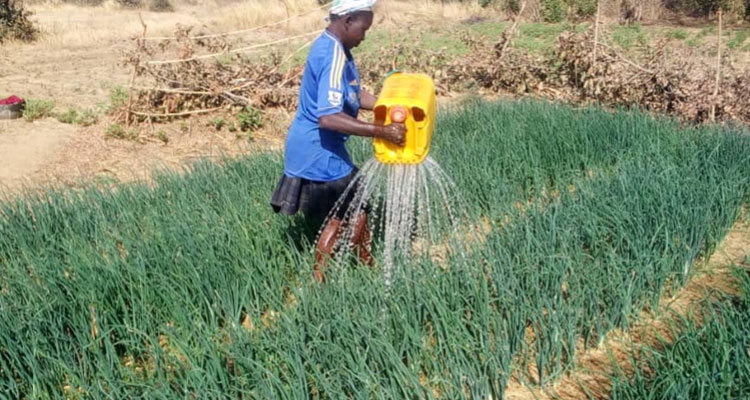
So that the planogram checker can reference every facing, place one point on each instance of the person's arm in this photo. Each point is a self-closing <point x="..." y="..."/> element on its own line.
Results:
<point x="330" y="100"/>
<point x="341" y="122"/>
<point x="367" y="100"/>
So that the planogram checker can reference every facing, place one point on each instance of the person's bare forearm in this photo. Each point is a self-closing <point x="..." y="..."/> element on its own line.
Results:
<point x="346" y="124"/>
<point x="367" y="100"/>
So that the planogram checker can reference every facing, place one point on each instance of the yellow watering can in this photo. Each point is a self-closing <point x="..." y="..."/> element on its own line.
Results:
<point x="409" y="99"/>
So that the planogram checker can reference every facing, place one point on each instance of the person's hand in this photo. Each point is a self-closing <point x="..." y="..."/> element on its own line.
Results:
<point x="394" y="133"/>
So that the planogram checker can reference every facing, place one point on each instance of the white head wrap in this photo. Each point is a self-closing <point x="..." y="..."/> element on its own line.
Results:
<point x="344" y="7"/>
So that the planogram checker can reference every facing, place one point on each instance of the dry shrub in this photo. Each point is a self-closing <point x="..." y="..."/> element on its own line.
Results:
<point x="631" y="11"/>
<point x="161" y="5"/>
<point x="674" y="85"/>
<point x="91" y="3"/>
<point x="130" y="3"/>
<point x="15" y="23"/>
<point x="195" y="85"/>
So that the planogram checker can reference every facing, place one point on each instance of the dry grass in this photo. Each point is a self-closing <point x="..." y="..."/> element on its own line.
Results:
<point x="253" y="13"/>
<point x="409" y="12"/>
<point x="71" y="26"/>
<point x="65" y="25"/>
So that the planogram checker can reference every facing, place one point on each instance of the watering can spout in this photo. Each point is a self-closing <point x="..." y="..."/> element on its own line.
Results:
<point x="409" y="99"/>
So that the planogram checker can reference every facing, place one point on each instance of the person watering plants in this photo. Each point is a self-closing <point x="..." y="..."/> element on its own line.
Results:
<point x="317" y="166"/>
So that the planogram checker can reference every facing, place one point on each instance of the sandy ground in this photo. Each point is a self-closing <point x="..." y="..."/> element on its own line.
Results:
<point x="47" y="152"/>
<point x="24" y="150"/>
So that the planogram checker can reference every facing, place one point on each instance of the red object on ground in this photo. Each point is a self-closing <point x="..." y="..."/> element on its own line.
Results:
<point x="11" y="100"/>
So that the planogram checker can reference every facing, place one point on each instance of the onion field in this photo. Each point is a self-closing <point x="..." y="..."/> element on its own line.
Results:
<point x="706" y="361"/>
<point x="192" y="287"/>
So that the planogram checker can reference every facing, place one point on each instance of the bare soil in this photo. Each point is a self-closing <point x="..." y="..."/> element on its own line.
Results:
<point x="26" y="149"/>
<point x="47" y="152"/>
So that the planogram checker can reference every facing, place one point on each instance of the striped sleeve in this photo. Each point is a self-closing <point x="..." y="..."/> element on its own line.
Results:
<point x="331" y="87"/>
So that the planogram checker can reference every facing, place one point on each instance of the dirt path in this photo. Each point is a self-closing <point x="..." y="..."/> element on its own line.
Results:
<point x="27" y="148"/>
<point x="591" y="378"/>
<point x="79" y="77"/>
<point x="49" y="152"/>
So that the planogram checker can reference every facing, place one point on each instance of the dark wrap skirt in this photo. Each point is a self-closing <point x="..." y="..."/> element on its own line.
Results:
<point x="315" y="199"/>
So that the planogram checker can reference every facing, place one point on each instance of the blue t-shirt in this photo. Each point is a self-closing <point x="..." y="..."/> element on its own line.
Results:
<point x="330" y="85"/>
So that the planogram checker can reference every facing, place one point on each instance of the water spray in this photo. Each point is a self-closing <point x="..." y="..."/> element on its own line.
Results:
<point x="413" y="206"/>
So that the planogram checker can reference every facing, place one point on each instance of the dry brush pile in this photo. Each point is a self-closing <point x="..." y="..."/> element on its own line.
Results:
<point x="578" y="70"/>
<point x="192" y="83"/>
